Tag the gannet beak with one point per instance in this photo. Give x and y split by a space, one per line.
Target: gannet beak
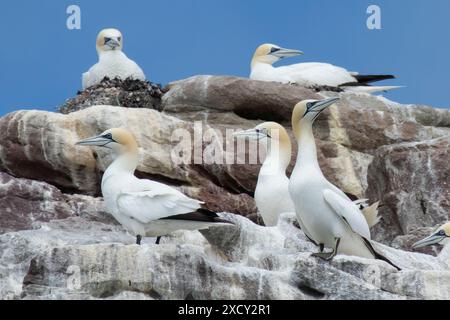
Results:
428 241
112 43
286 53
98 141
322 105
251 134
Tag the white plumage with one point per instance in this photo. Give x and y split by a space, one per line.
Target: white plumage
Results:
272 190
309 73
329 216
145 207
113 63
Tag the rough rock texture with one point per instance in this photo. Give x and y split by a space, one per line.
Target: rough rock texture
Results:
127 93
25 203
75 259
52 217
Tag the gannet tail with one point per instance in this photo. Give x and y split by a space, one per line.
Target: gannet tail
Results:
371 214
369 89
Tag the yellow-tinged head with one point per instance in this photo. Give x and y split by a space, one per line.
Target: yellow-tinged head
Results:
271 53
439 236
307 111
273 135
118 139
109 40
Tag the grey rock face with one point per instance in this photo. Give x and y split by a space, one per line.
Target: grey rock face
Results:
57 241
74 259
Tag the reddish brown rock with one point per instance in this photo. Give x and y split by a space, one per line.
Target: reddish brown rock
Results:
412 180
353 138
25 203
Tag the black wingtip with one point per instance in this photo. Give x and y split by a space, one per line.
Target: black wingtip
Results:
201 215
365 79
214 216
378 255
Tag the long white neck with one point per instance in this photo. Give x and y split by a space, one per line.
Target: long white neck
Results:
125 163
111 54
307 150
445 252
258 65
277 159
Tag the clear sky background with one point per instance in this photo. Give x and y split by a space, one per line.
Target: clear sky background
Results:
41 61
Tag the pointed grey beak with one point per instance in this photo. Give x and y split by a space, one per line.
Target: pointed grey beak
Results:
98 141
428 241
251 134
322 105
286 53
113 43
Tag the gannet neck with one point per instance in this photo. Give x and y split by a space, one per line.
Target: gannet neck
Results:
106 55
125 163
307 150
279 154
262 63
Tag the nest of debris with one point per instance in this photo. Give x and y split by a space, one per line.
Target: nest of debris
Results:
127 93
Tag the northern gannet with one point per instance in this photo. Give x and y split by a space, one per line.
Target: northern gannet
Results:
272 190
145 207
113 63
440 236
331 219
309 73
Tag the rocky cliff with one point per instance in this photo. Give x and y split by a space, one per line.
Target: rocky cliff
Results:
56 241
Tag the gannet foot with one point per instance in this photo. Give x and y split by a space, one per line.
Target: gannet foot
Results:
327 255
158 240
138 240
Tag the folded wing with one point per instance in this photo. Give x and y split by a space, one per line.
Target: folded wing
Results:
348 211
155 201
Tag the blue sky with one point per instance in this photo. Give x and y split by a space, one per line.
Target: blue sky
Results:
41 61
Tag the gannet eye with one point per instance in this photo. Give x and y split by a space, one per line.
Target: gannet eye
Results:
119 39
108 136
273 50
442 233
107 40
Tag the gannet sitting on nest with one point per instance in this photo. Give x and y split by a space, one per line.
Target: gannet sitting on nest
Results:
272 190
145 207
113 63
440 236
309 74
331 219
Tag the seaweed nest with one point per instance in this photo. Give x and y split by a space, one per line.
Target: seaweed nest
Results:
127 93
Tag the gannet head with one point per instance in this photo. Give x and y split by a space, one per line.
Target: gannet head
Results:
266 130
274 137
439 236
109 40
119 140
271 53
307 111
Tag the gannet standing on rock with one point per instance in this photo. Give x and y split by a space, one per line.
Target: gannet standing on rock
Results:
145 207
331 219
309 74
113 63
272 190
